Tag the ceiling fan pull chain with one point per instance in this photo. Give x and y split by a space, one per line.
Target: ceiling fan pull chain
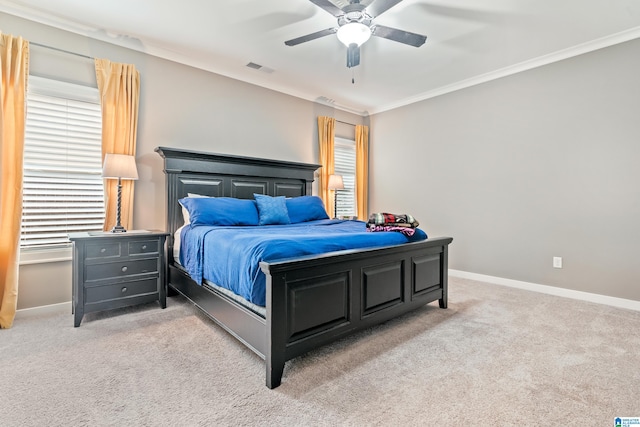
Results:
353 79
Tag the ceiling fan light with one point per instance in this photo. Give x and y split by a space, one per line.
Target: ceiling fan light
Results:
354 32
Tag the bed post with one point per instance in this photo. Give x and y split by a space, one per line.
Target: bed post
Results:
275 356
444 272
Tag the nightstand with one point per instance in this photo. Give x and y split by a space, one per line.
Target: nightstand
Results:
113 270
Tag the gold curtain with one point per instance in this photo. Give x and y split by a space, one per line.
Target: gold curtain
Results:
119 86
362 171
14 71
326 133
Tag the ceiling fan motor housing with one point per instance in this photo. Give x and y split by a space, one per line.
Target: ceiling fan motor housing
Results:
354 13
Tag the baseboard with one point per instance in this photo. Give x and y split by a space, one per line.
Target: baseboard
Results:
63 307
535 287
551 290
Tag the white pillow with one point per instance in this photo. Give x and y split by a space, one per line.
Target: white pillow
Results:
176 244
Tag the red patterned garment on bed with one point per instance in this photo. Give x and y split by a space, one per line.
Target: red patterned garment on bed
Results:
383 221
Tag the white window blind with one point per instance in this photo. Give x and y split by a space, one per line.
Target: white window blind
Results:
345 164
63 188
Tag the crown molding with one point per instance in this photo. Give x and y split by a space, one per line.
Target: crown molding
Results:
259 80
621 37
160 52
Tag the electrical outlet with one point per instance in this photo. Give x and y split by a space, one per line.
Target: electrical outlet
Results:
557 262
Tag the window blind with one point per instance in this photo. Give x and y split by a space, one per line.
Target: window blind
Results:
63 187
345 164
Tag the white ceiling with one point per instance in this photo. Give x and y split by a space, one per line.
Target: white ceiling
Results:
469 41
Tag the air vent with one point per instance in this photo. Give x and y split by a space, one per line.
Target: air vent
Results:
260 67
325 100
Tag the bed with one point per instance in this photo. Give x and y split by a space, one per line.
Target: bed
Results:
310 300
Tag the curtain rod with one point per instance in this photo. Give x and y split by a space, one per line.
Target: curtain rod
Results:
345 123
62 50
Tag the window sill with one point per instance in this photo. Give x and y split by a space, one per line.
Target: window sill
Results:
41 256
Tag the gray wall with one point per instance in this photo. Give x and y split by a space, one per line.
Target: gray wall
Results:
518 170
180 106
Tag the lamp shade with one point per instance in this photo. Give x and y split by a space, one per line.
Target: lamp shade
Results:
335 182
354 32
119 166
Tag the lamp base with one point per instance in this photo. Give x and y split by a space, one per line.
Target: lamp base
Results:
118 229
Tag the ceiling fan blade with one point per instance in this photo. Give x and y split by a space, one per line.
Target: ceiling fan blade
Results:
401 36
378 7
353 55
311 36
329 7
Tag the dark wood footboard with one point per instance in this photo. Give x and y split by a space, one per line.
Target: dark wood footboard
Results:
316 300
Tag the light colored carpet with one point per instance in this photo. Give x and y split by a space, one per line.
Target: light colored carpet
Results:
496 356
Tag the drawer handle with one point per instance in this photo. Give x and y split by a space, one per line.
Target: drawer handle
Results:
124 289
103 250
124 268
144 247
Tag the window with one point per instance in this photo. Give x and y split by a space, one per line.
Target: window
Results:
345 164
63 187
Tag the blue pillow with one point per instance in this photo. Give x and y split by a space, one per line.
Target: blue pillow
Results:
306 208
220 211
272 210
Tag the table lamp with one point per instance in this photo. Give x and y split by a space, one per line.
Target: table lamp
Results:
120 166
335 183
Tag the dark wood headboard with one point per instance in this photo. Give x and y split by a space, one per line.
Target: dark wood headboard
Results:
222 175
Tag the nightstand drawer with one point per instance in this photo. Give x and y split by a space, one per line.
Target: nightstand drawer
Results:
121 290
103 250
120 269
143 247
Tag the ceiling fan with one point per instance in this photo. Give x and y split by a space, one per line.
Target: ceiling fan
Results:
355 26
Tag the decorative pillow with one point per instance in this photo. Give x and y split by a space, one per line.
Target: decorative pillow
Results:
220 211
185 212
272 210
306 208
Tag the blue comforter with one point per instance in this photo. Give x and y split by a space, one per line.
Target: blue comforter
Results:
230 256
